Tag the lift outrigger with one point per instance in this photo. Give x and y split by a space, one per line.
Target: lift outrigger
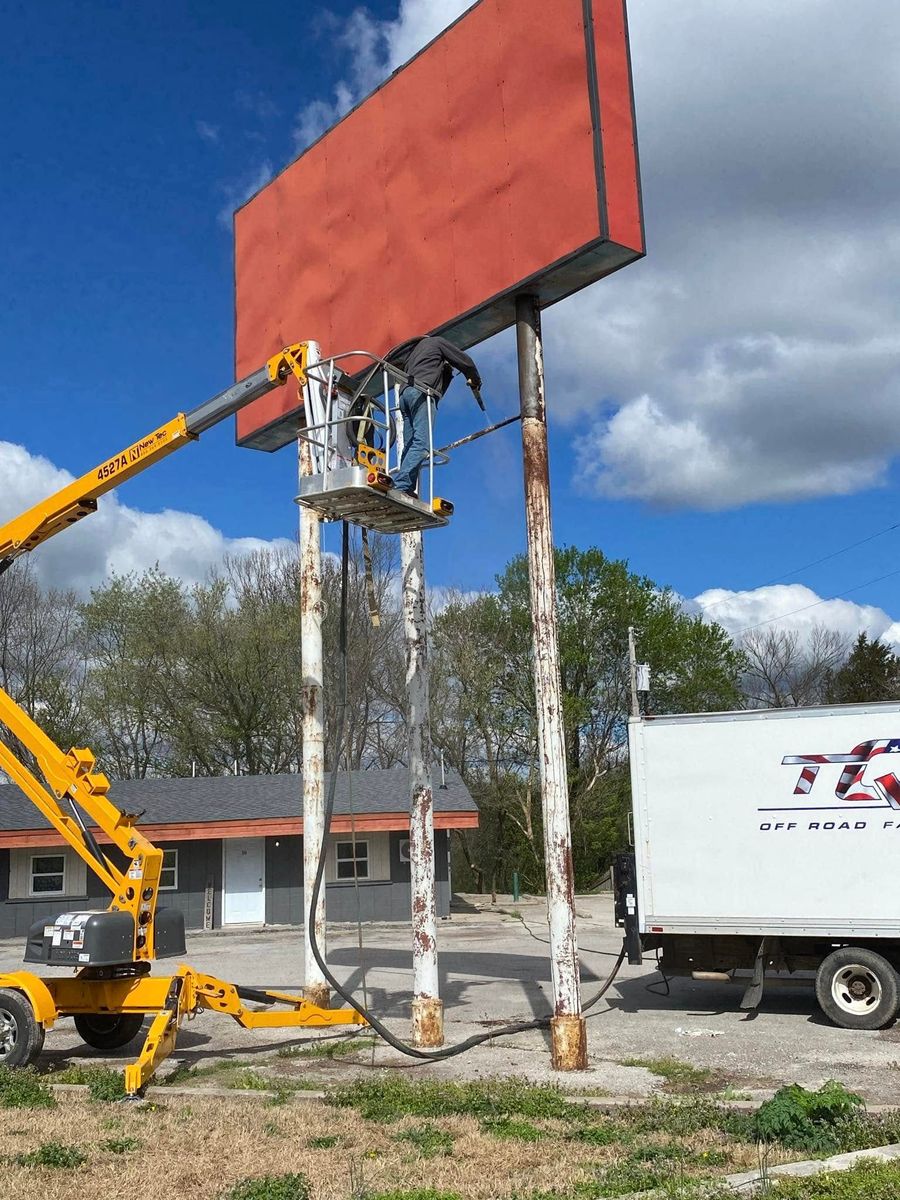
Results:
112 992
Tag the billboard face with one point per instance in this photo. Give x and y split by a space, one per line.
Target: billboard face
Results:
500 160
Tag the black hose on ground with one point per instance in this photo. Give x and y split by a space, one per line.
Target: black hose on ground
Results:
381 1029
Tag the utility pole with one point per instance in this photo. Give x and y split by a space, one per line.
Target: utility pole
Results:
427 1008
633 673
567 1028
315 988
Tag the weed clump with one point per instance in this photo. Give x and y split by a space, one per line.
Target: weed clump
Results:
508 1127
803 1120
121 1145
102 1083
54 1155
22 1088
270 1187
430 1141
414 1194
327 1141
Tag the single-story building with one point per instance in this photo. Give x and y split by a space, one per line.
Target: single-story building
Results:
234 849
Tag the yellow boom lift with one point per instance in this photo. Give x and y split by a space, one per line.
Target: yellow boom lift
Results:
112 990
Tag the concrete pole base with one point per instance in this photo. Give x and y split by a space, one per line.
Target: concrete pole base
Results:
427 1022
568 1041
318 994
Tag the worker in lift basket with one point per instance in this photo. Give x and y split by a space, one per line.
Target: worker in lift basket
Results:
430 362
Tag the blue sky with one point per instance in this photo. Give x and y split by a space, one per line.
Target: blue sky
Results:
721 413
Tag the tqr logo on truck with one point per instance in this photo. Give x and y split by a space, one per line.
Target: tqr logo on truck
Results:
866 774
867 777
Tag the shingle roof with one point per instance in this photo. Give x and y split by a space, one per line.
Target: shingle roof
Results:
248 797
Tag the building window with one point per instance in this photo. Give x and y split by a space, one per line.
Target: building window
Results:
47 875
168 876
347 860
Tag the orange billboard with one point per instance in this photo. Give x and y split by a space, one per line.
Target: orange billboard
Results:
502 159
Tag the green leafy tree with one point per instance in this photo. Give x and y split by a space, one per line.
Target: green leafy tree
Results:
871 672
484 709
126 632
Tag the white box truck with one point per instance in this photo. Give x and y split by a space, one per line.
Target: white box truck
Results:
769 841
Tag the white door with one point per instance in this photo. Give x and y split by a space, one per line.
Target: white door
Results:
244 885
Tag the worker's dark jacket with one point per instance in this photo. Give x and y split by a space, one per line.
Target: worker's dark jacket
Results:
431 362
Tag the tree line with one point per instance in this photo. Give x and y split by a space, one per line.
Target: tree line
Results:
163 678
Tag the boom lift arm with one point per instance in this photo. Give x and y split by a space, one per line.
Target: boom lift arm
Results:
79 498
113 950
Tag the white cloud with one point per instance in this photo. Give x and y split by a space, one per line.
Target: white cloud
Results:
209 133
754 355
792 607
374 48
242 189
115 538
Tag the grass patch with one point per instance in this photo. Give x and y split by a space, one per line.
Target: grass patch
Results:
327 1142
391 1098
328 1050
406 1194
54 1155
509 1127
103 1084
270 1187
680 1076
23 1089
184 1073
626 1177
430 1141
604 1133
866 1181
121 1145
684 1118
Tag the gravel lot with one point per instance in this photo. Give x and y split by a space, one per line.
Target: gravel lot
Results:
494 967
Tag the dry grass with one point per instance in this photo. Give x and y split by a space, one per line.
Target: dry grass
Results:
203 1146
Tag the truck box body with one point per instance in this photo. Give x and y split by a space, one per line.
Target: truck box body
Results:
776 822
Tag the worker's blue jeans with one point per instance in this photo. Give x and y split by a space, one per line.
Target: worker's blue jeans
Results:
414 410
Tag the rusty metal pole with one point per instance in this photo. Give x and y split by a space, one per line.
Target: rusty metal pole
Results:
315 989
427 1007
568 1031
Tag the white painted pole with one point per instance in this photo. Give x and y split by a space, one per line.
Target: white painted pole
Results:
428 1014
568 1031
315 988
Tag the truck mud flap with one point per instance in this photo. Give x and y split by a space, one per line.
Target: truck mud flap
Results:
754 993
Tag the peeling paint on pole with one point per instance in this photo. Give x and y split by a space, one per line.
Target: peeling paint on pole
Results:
315 988
428 1023
568 1033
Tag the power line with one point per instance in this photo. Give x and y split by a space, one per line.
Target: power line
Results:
807 567
815 604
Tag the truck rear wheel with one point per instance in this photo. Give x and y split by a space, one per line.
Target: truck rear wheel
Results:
858 989
108 1031
21 1037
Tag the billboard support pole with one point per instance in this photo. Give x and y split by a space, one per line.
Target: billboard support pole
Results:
568 1031
427 1007
315 988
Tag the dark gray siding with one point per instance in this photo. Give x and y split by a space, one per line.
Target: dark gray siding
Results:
380 900
200 863
284 881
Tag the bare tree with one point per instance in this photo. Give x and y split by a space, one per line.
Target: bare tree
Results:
786 669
